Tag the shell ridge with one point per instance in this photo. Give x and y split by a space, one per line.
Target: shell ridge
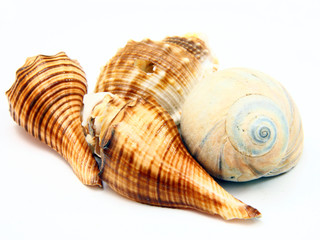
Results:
45 91
44 114
36 62
63 108
62 133
47 103
41 105
57 124
37 75
40 93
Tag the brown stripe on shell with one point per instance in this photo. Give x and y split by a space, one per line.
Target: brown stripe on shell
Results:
145 160
46 100
164 69
42 63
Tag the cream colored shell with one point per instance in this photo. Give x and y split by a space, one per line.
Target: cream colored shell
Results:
241 124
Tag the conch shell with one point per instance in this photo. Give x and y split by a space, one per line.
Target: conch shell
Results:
166 70
241 124
46 100
143 158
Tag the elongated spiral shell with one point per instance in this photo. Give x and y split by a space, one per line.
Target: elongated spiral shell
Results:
46 100
166 70
240 124
143 158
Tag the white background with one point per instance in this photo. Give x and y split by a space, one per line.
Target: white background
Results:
40 196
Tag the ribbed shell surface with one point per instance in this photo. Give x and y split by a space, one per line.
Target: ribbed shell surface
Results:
166 70
46 100
144 159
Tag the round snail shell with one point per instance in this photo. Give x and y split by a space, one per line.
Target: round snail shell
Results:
241 124
166 70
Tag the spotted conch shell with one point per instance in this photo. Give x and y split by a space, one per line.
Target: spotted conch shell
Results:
46 100
241 124
166 70
143 158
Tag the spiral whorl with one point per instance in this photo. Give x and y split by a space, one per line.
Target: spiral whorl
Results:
253 126
240 124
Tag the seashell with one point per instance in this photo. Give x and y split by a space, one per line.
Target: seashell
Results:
241 124
46 100
166 70
143 158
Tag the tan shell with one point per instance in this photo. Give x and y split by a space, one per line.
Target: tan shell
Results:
46 100
241 124
144 159
166 70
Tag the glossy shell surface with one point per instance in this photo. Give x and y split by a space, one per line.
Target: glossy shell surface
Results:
46 100
241 124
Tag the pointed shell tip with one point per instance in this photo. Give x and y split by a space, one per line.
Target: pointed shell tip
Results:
252 212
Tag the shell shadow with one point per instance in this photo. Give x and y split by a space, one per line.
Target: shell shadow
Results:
228 185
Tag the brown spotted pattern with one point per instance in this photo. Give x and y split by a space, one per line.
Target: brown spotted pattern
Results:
46 100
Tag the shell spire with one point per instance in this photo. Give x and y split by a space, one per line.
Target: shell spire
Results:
46 100
143 158
166 70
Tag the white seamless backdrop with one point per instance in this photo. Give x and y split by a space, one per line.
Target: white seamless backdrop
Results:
41 198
